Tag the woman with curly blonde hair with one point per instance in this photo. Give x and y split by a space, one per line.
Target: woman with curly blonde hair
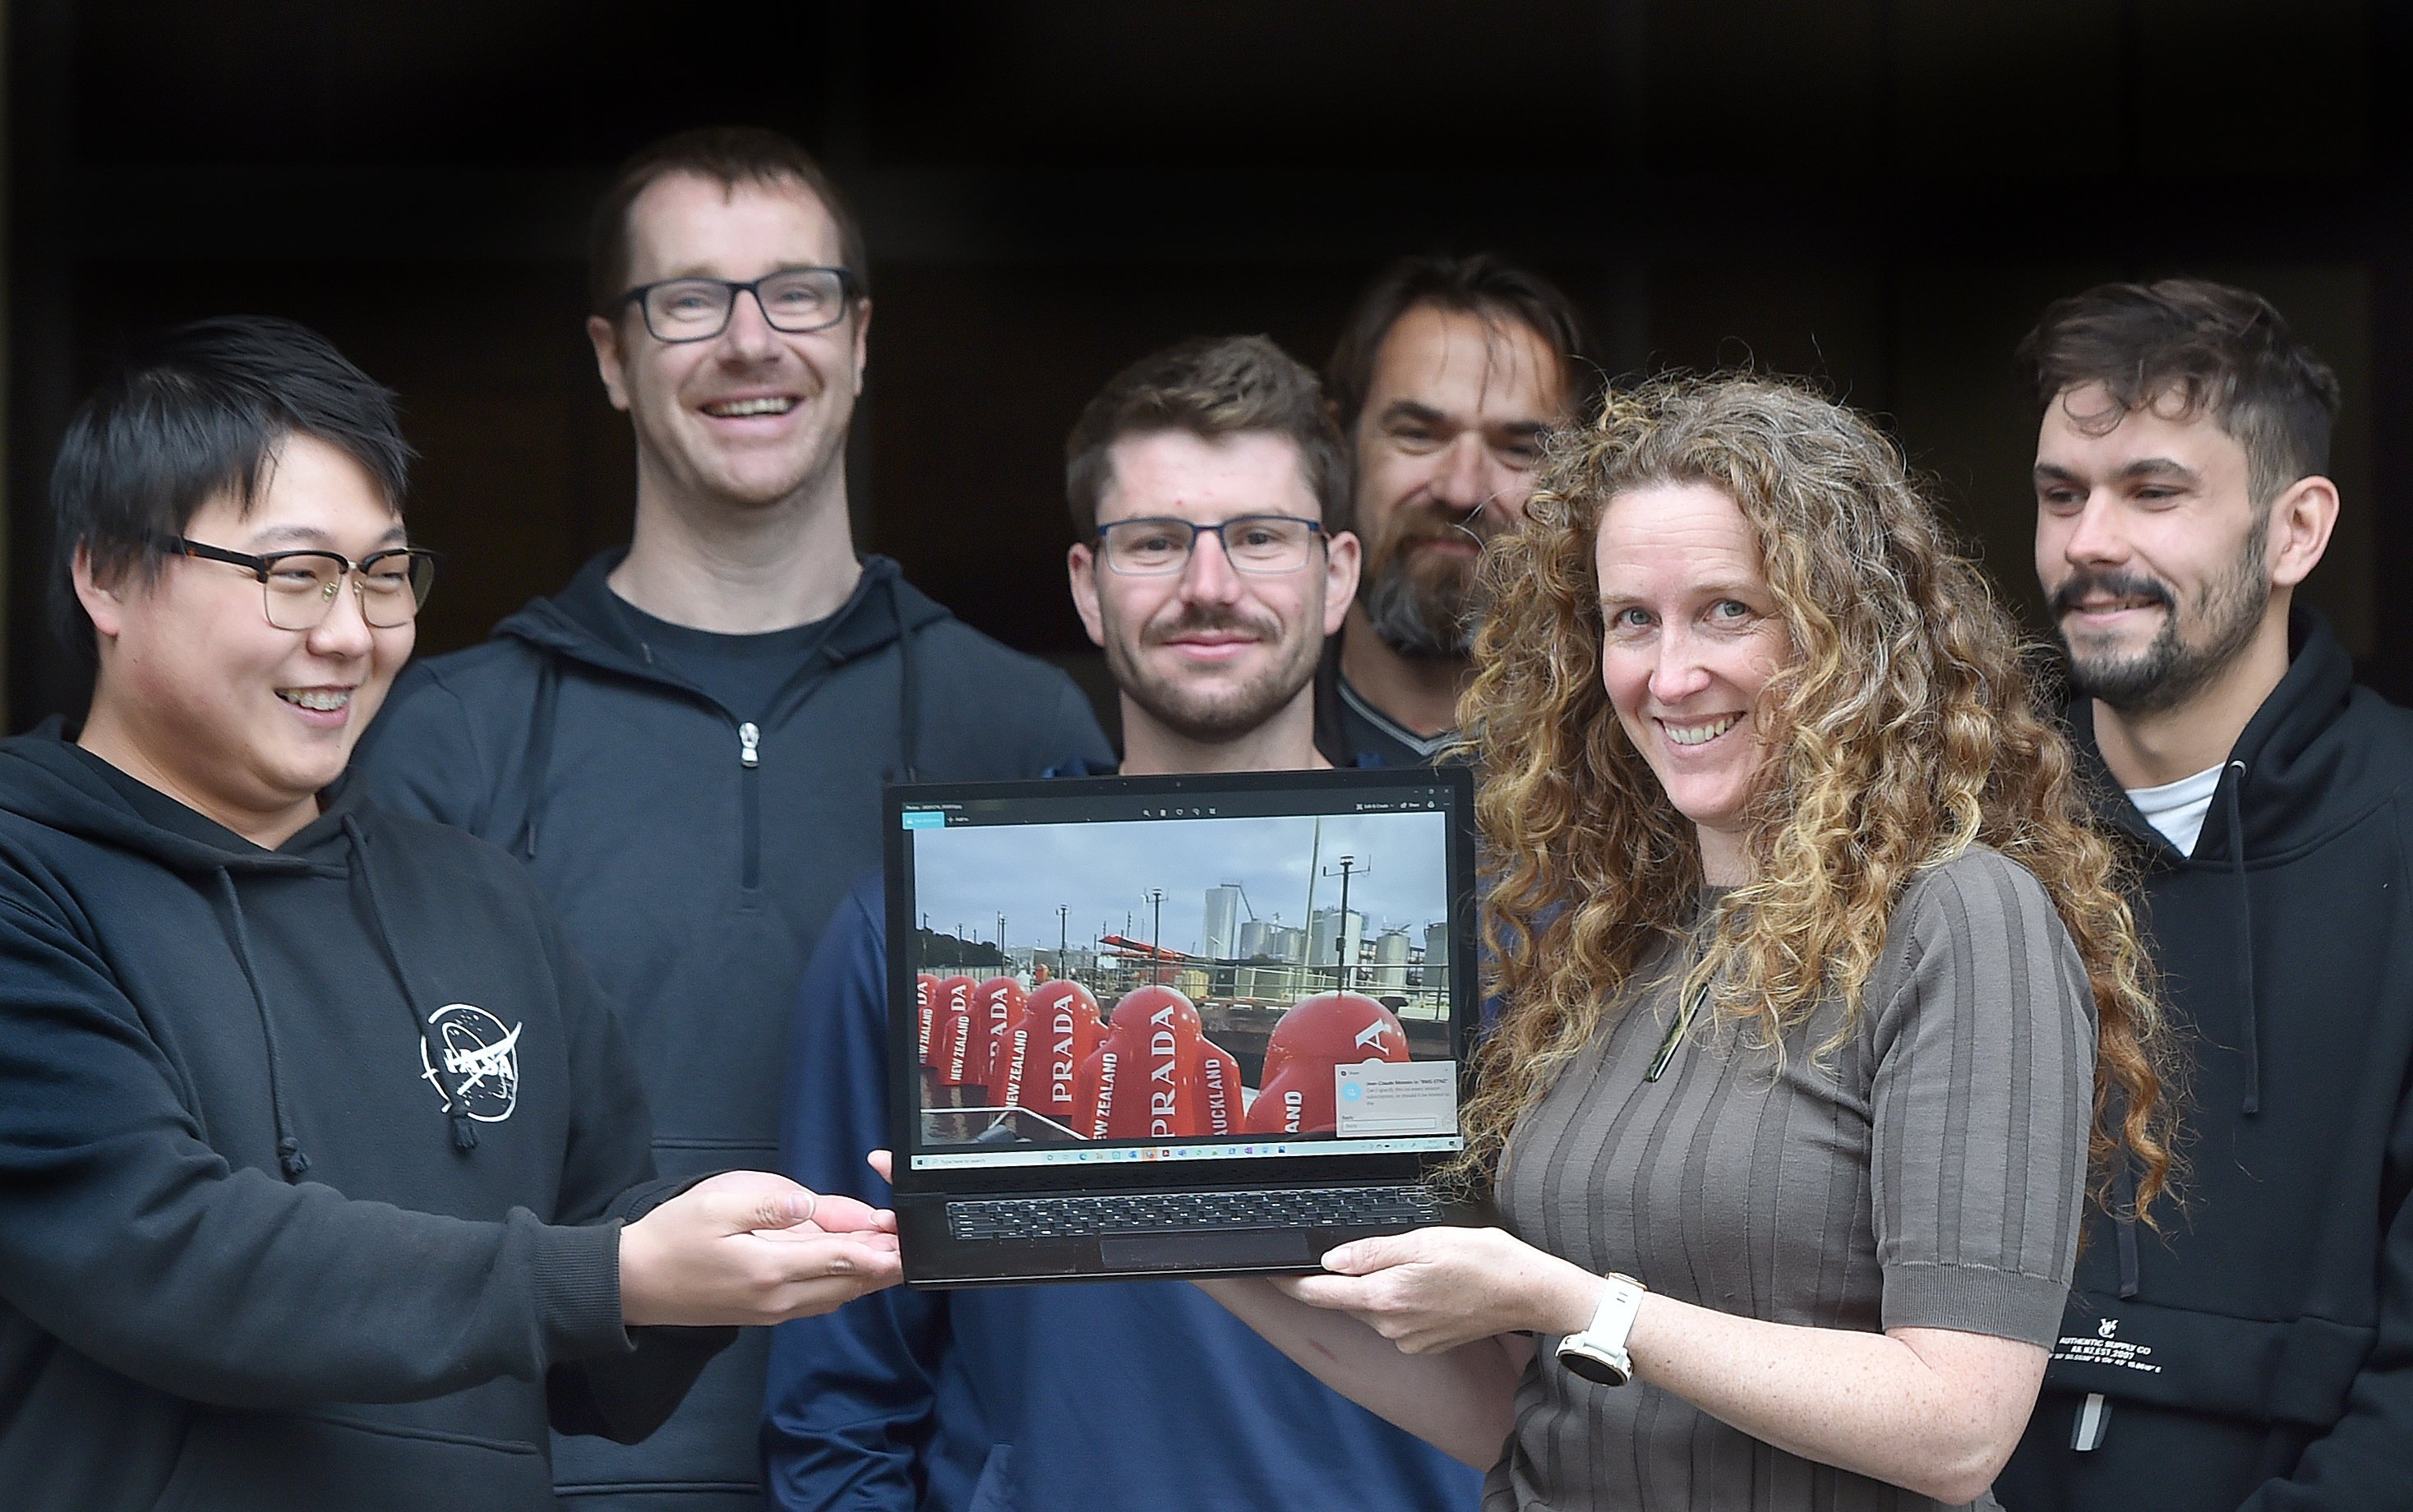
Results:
1819 999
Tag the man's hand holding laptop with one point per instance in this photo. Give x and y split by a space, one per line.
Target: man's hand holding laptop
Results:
748 1248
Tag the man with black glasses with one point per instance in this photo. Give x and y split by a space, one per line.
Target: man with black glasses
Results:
685 745
324 1171
1203 482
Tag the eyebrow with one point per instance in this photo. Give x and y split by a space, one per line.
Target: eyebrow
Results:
1425 414
2157 468
309 536
699 270
1409 409
1719 588
2142 468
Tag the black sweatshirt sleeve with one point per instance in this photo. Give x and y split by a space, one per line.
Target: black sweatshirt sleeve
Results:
125 1236
608 1177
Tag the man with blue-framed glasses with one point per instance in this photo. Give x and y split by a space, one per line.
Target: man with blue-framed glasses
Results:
685 746
1204 571
1203 481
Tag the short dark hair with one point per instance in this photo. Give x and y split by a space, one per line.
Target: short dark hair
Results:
1210 387
729 156
2213 350
193 413
1482 285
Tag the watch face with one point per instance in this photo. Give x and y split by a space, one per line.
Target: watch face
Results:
1592 1364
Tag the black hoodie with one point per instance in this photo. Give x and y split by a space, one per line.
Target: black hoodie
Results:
695 853
309 1164
2260 1355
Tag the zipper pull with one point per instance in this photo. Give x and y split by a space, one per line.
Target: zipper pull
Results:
750 745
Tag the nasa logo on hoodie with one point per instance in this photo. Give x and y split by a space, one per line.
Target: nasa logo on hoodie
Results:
482 1058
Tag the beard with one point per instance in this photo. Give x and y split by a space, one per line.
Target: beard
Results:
1195 708
2172 667
1421 603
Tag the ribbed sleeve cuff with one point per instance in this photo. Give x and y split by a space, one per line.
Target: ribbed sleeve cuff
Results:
577 1291
1975 1299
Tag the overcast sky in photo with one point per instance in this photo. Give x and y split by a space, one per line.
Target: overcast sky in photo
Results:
1103 870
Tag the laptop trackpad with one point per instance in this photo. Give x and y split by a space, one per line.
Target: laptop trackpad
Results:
1209 1250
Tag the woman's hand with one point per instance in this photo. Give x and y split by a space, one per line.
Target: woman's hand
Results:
1437 1288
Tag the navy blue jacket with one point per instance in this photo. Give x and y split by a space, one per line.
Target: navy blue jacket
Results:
2260 1355
1112 1395
309 1160
694 856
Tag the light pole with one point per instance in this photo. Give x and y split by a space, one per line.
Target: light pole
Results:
1156 937
1341 926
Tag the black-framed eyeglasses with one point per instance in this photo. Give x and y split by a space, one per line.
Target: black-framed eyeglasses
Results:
794 300
1252 544
298 587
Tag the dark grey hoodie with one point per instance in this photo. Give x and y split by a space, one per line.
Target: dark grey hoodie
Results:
309 1164
695 853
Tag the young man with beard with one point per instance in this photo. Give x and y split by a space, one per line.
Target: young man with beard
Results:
324 1169
1202 480
1447 375
685 746
2258 1351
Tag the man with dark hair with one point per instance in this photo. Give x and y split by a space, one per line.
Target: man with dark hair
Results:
324 1176
1202 483
685 746
2258 1351
1213 666
1447 372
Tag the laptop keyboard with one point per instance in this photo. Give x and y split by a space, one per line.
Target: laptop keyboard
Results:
1061 1218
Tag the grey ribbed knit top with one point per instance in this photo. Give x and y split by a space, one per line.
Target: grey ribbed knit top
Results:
1929 1175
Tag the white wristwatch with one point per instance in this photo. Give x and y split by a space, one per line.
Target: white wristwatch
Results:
1598 1354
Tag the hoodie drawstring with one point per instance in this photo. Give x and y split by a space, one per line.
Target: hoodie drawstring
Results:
2124 1201
2086 1428
456 1101
2245 933
289 1158
539 754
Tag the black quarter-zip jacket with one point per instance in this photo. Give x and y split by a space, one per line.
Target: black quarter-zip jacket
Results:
695 854
2259 1353
310 1163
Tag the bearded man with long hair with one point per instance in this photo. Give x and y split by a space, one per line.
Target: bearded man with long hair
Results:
1823 1015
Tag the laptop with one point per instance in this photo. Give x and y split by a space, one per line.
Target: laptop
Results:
1197 1025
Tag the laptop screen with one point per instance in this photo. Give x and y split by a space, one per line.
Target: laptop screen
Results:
1268 968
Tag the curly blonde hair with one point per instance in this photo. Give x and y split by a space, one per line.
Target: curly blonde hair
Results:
1904 729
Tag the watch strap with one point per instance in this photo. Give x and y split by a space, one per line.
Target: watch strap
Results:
1598 1353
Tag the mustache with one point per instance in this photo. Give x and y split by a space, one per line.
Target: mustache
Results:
1197 620
2084 583
1421 528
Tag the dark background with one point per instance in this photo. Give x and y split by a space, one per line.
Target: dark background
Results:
1878 193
